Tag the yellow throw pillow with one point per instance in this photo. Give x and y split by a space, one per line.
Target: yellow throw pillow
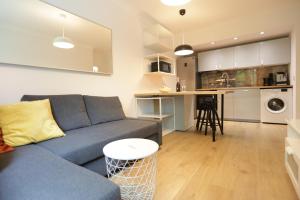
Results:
28 122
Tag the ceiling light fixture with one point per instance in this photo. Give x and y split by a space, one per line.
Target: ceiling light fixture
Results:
262 33
175 2
183 49
235 38
212 43
62 41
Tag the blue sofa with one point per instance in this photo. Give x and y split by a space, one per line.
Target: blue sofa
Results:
72 167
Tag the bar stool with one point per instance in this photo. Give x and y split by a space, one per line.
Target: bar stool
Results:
208 106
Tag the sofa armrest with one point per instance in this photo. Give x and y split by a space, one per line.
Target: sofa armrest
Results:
159 127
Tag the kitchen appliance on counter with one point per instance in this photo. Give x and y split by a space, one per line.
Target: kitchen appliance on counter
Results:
276 105
161 66
281 78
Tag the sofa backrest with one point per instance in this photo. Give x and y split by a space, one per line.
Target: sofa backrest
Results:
76 111
68 110
103 109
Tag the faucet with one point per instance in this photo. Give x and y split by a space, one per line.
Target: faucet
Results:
225 77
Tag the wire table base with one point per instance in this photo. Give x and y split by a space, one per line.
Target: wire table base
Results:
136 178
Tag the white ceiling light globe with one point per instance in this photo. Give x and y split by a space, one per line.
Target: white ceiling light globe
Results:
63 42
175 2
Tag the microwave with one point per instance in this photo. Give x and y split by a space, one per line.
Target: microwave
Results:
163 67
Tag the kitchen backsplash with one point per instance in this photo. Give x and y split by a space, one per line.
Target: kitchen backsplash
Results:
240 77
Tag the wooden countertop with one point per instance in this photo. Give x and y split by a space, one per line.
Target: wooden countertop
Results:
185 93
249 87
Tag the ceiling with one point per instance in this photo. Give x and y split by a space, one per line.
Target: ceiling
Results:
220 21
201 13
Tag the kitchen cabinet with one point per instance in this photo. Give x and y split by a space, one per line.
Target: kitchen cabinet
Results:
226 58
219 59
276 52
247 105
266 53
208 60
228 106
242 105
247 55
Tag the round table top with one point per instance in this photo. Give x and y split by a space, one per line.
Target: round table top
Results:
130 149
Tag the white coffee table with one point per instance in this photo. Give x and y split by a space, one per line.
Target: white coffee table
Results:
131 163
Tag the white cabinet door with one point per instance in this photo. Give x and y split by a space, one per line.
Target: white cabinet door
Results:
247 55
275 52
228 106
247 104
208 60
226 58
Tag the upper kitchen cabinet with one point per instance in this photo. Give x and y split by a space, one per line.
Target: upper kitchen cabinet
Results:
247 55
275 52
208 60
219 59
266 53
226 58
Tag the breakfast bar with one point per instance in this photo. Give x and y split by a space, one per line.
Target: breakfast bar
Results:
182 104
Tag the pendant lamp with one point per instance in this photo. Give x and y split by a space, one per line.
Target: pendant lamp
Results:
183 49
62 41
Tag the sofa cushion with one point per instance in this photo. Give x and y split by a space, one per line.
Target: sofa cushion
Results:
28 122
68 110
33 173
83 145
103 109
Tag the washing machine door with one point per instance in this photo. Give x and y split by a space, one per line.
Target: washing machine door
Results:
276 105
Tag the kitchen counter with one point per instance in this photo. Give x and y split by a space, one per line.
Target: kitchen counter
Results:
185 93
249 87
183 104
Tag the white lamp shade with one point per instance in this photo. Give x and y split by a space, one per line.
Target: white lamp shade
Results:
63 42
175 2
184 52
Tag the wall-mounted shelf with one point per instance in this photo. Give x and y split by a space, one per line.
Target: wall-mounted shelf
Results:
159 74
157 47
158 39
166 57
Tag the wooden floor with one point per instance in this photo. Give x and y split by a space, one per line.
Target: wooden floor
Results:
245 163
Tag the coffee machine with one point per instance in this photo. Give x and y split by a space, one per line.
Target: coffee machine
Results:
281 78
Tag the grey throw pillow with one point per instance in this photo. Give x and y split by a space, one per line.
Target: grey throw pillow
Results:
103 109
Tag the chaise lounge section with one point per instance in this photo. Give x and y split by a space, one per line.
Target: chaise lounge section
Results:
72 167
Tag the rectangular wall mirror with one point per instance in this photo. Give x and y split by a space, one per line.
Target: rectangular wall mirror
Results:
34 33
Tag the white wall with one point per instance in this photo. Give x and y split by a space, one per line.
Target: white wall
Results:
127 61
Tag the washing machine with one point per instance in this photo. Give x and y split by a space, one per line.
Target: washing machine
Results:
276 105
